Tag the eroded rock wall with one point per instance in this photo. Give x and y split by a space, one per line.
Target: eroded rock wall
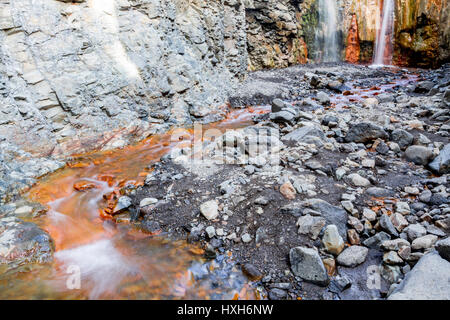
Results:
421 35
97 74
422 32
70 71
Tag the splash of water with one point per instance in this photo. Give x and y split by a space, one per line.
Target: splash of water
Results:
383 44
326 33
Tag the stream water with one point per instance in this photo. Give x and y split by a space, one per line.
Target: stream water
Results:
115 260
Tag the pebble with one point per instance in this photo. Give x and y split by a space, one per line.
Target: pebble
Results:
147 201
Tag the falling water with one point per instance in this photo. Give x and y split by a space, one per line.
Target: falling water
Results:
326 33
383 44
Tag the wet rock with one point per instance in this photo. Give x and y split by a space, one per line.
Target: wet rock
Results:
379 192
339 284
282 116
423 87
428 280
306 263
441 164
210 209
252 272
402 138
277 105
353 256
150 226
277 294
23 242
365 132
443 247
332 241
123 204
419 154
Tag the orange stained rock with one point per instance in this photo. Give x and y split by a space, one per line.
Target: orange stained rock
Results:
353 49
84 185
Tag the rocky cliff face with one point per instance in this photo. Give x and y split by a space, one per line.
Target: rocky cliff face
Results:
73 71
97 74
282 33
422 29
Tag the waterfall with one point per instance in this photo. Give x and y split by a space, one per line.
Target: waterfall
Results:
326 33
383 44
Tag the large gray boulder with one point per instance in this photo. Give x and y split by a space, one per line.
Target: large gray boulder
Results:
402 137
428 280
419 155
365 132
307 264
441 164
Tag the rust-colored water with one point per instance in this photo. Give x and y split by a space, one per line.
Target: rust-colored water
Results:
116 261
358 94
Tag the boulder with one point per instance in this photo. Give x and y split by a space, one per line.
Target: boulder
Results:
443 247
365 132
441 164
419 155
428 280
306 264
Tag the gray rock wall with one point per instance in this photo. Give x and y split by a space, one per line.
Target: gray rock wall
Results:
70 72
97 74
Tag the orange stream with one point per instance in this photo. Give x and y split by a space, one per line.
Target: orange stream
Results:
116 261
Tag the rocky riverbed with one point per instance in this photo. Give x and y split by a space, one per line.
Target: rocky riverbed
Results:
339 190
359 192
